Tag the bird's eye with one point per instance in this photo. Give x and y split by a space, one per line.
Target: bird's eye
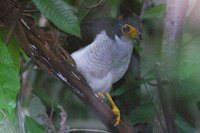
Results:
129 31
126 28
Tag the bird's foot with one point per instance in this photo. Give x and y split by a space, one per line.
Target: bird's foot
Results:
101 96
116 111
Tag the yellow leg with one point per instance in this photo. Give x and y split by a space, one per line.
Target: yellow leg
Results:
100 94
114 108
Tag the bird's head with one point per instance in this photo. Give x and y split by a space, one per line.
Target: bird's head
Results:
125 27
128 28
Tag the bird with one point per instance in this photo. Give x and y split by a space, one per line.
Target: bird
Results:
106 58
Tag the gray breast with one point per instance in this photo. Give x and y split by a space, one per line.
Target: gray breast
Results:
120 66
104 57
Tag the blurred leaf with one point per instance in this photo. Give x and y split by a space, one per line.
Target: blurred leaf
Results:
156 11
183 126
9 79
130 83
15 50
45 98
138 48
25 56
7 127
61 14
84 8
119 91
32 126
189 72
37 110
142 114
114 7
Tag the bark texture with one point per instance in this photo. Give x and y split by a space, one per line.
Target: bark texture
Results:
167 70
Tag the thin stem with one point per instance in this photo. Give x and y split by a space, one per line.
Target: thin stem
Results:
192 39
156 111
98 3
4 115
86 130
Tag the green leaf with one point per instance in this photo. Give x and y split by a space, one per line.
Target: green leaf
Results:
119 91
144 114
129 85
32 126
138 48
189 72
183 126
156 11
9 79
84 10
114 7
15 50
61 14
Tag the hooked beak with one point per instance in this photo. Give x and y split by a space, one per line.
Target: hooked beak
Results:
135 34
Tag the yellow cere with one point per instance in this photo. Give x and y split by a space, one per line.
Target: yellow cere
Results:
129 31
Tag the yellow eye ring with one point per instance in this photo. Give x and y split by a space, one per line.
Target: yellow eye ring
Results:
129 31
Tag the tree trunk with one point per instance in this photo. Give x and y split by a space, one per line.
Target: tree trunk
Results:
167 70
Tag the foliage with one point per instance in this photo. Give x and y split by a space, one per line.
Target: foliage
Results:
9 80
83 10
183 126
67 15
156 11
33 126
144 113
9 83
61 14
114 7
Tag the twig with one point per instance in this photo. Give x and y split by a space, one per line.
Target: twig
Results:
152 84
97 4
145 5
192 39
165 101
86 130
50 125
4 115
5 121
63 123
155 109
30 11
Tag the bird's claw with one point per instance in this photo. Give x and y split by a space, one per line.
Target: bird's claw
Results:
101 96
117 114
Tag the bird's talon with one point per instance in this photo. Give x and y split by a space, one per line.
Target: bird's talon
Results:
101 96
117 114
